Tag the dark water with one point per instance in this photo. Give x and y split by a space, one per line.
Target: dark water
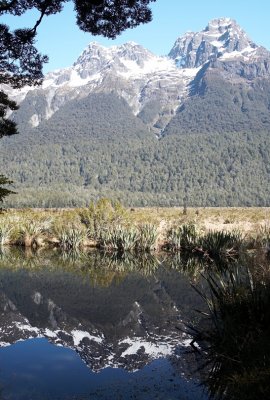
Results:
90 326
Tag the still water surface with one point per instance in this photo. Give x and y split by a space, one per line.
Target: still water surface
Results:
94 327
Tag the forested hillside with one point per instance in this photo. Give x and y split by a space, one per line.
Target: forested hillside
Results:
219 106
208 169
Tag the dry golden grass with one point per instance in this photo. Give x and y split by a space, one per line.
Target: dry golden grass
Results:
246 220
209 218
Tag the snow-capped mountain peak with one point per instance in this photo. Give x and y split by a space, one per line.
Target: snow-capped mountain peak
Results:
221 35
96 55
146 81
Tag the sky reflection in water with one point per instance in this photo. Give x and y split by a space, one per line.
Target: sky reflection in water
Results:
36 369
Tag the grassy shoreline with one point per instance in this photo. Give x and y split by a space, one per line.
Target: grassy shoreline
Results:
85 227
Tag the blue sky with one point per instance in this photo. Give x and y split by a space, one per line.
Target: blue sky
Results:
63 42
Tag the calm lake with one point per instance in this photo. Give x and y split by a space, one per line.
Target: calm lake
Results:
93 326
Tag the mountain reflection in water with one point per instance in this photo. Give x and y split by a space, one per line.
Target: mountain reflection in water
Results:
124 317
132 321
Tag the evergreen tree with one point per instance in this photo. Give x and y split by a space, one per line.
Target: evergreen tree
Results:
3 191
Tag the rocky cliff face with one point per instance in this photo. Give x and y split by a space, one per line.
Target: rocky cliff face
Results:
220 37
130 71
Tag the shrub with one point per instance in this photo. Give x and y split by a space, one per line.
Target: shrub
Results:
101 216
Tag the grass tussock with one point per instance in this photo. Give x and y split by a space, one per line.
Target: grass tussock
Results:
235 334
184 237
5 233
71 237
221 244
147 237
31 232
128 238
119 238
210 245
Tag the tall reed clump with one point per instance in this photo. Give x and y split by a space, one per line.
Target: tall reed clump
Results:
32 231
119 238
127 238
211 245
184 237
147 237
215 244
101 216
5 232
262 239
70 237
236 335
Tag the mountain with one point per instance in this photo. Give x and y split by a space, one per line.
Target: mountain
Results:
188 127
157 88
222 38
231 90
151 85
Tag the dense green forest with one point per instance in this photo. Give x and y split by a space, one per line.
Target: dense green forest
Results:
96 147
220 106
